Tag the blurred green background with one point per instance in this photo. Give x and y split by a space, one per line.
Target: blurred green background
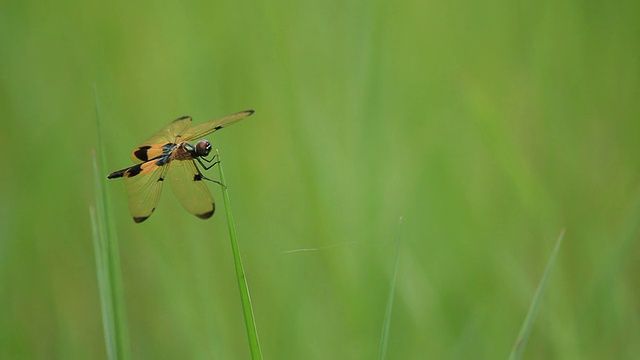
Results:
488 126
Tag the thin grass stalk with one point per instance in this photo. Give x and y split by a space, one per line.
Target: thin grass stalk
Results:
247 309
108 258
386 325
525 330
104 289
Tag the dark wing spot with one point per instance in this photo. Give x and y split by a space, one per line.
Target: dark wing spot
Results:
217 127
116 174
197 177
160 179
139 219
141 153
208 214
134 170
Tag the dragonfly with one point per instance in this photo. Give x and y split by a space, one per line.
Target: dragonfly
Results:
168 155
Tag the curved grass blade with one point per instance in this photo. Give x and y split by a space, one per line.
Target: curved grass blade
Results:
525 330
249 320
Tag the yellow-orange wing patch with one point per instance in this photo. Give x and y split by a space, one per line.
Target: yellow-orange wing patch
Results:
147 152
153 146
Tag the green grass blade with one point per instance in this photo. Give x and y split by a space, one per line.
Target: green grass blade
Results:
104 289
108 260
386 325
249 320
525 330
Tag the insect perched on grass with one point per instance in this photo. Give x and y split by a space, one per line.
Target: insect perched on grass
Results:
170 149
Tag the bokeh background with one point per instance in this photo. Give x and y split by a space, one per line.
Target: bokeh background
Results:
488 126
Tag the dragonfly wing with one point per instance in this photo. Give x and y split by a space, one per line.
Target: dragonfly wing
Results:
154 146
208 127
188 184
144 185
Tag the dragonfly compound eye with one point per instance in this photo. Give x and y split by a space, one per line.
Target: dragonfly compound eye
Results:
203 148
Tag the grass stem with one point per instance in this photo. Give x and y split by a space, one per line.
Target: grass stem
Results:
108 259
249 320
525 330
386 325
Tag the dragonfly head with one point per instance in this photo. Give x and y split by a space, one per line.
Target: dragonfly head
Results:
203 148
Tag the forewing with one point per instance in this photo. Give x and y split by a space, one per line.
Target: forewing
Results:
208 127
188 185
144 185
153 146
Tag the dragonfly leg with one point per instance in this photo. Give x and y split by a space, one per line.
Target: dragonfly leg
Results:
209 160
216 162
207 168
